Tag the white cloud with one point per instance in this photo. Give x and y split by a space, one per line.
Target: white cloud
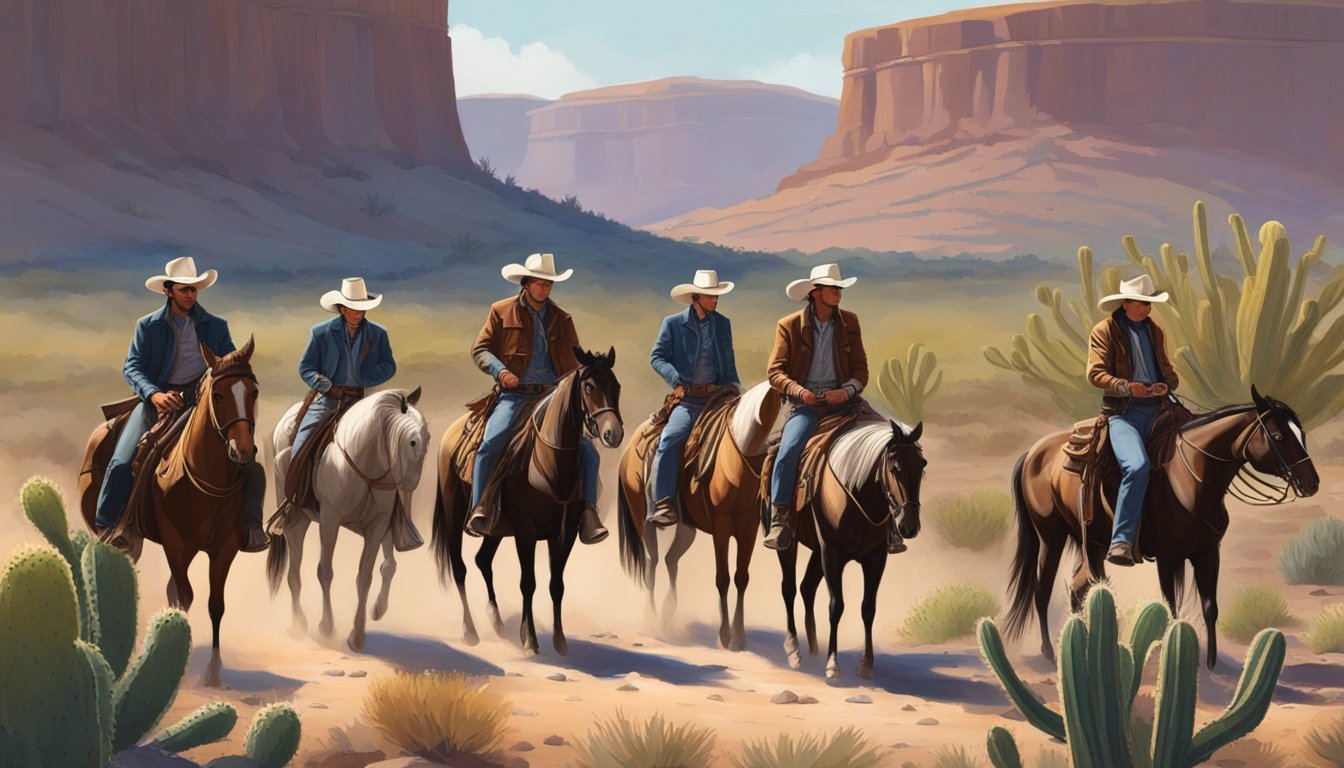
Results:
488 65
817 74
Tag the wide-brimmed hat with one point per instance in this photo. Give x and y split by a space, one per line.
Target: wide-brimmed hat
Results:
706 283
1139 289
538 265
353 294
182 271
825 274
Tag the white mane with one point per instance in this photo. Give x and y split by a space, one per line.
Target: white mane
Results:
747 428
855 453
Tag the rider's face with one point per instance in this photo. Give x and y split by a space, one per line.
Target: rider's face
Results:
828 294
1137 310
183 297
538 290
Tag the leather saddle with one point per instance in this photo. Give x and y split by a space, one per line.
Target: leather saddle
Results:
815 453
516 452
702 444
299 486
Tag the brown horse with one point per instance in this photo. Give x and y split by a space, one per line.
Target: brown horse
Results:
725 505
872 476
195 499
539 499
1185 514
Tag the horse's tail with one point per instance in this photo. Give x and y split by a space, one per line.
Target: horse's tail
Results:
1025 577
631 543
446 533
277 557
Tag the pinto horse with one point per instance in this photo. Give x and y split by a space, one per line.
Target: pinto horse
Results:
540 496
1185 510
872 475
724 504
195 499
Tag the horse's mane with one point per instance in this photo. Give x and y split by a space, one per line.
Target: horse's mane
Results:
236 357
1232 410
375 416
747 428
856 451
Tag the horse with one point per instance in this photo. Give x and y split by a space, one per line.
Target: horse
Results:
1185 509
540 494
195 501
872 476
373 462
724 505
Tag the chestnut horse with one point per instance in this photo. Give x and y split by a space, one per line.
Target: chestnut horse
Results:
1185 512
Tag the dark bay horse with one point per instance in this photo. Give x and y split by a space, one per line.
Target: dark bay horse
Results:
1185 510
196 501
872 475
725 505
540 499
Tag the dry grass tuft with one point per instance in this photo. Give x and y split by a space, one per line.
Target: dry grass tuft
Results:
846 748
623 742
436 715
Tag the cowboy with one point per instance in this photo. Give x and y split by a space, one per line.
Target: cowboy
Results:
1127 359
694 355
163 366
818 364
526 345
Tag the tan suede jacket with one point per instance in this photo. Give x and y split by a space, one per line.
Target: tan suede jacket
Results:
507 335
1109 366
792 354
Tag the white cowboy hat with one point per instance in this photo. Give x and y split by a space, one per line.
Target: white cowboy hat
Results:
706 282
1139 289
825 274
538 265
353 294
183 272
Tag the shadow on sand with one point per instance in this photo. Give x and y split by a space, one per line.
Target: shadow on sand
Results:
416 654
249 680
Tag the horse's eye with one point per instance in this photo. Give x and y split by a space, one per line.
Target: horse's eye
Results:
588 387
218 396
412 443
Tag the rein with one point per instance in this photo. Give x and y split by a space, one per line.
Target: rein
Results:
1247 492
206 389
895 508
378 483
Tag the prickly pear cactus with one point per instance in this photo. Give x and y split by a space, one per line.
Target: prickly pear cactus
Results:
111 595
144 694
274 736
210 723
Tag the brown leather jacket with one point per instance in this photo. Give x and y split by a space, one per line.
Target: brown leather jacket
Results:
1109 366
507 334
792 355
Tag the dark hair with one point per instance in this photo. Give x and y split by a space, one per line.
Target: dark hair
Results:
168 285
522 282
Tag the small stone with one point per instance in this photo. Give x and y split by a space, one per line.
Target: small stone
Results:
252 701
927 721
522 746
908 708
559 677
359 673
334 672
861 698
516 762
554 741
523 712
900 745
513 674
317 705
638 645
1319 593
573 698
627 687
784 697
714 697
807 700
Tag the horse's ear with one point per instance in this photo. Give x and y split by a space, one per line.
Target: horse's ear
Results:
582 356
611 357
896 429
247 349
1259 399
917 432
414 397
209 357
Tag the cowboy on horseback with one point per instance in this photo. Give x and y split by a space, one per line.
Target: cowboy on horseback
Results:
163 365
1127 359
819 365
526 345
694 355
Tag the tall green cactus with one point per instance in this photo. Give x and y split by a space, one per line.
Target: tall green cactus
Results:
111 597
44 508
1098 680
142 695
907 387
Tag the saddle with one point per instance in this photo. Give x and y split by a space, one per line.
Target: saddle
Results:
154 445
299 489
702 444
514 458
815 452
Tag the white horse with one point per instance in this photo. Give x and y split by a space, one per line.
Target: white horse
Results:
375 457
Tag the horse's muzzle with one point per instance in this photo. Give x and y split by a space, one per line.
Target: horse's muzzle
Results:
908 524
241 457
612 433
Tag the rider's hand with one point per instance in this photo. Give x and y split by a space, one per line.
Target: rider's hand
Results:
808 397
1138 389
507 380
836 396
679 391
166 402
1160 389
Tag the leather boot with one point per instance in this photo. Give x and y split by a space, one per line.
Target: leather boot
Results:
254 492
780 535
478 523
591 530
1121 553
895 541
664 513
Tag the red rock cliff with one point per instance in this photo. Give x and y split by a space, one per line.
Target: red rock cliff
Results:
306 75
1256 76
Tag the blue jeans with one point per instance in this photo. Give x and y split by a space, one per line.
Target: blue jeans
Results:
800 425
317 410
496 438
1129 436
667 459
117 479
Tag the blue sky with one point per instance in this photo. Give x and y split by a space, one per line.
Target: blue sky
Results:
547 48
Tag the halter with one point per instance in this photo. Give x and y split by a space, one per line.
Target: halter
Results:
219 492
236 372
895 508
1247 492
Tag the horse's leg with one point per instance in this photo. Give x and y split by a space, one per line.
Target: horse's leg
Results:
721 577
558 548
1206 584
327 529
527 584
1167 569
833 568
388 569
219 573
485 563
368 555
788 587
811 581
449 511
650 539
1047 568
745 538
874 564
682 537
294 537
180 594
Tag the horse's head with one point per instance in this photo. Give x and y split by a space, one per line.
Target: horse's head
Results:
408 439
902 472
1278 445
229 395
600 395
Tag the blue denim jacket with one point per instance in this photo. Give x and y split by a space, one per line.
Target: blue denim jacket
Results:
673 354
324 354
153 348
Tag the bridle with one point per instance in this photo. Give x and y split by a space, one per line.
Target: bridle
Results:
1247 486
895 507
203 393
589 419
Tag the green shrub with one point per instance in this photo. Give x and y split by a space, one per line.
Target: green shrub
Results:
1315 555
624 743
1327 631
972 521
948 613
1327 741
1251 610
846 748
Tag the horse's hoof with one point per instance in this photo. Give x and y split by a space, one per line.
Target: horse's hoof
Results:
832 670
865 669
1048 651
356 643
470 637
725 638
379 610
326 628
561 644
737 644
791 652
211 677
532 649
